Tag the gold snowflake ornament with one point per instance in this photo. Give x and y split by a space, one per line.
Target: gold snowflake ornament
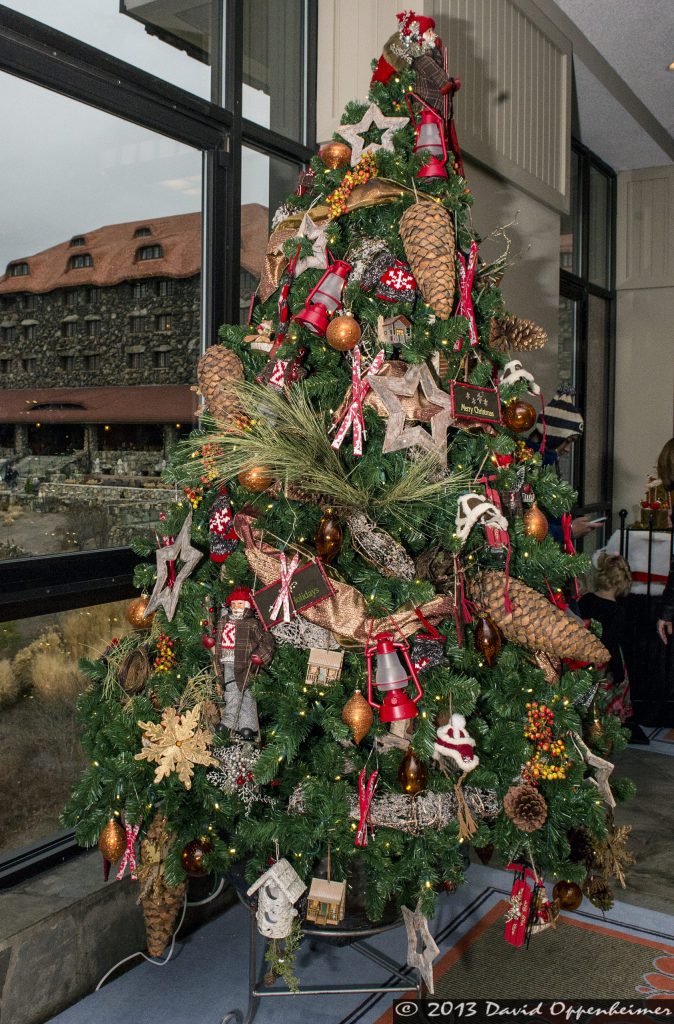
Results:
176 743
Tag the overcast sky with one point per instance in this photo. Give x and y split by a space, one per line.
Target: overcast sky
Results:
66 168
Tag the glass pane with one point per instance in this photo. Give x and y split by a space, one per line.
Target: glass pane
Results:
96 357
265 184
168 38
273 66
570 240
595 436
569 311
40 753
600 229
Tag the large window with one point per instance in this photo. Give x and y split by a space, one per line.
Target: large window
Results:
150 129
586 334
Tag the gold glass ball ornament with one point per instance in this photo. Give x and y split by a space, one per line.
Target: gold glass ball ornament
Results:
568 895
535 523
343 332
328 537
412 774
112 841
192 857
335 154
519 416
257 479
135 613
357 714
488 640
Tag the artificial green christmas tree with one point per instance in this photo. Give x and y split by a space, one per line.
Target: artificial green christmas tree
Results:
361 591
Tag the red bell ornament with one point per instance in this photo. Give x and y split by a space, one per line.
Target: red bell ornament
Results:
430 139
389 674
325 299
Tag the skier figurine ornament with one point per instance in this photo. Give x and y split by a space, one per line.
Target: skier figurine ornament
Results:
242 647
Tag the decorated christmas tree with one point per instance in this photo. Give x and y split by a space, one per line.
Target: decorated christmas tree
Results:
358 644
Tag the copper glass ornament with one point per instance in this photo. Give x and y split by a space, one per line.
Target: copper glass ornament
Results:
192 857
328 538
257 479
357 714
412 774
568 895
343 332
485 853
519 416
135 612
335 154
535 523
488 640
112 841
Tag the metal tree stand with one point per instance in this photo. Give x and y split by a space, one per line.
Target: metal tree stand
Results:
352 932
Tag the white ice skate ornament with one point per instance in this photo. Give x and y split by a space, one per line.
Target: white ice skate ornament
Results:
513 372
474 508
453 741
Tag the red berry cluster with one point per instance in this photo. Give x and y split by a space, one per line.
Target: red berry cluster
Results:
549 760
195 496
165 658
365 169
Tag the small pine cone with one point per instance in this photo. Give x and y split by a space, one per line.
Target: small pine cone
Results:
525 807
582 847
517 333
210 713
154 700
599 892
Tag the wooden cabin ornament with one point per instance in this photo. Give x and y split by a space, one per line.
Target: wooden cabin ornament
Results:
324 667
279 889
326 903
394 330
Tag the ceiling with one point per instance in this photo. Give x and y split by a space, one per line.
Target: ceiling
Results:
636 42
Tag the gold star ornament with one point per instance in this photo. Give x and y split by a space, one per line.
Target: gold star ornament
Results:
176 744
422 948
164 596
353 133
398 436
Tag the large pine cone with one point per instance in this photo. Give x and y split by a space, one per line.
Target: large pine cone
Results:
427 233
517 333
525 807
160 915
216 370
534 621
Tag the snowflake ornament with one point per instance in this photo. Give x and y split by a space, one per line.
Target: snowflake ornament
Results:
176 743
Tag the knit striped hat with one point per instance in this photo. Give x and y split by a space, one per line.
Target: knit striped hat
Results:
562 419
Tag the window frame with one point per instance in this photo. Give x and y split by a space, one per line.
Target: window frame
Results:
47 57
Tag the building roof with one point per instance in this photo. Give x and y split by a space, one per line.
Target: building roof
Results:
283 874
114 253
170 403
327 892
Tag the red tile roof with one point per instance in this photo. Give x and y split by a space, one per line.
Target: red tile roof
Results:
171 403
114 252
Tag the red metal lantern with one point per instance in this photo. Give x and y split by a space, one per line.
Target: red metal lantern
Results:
430 139
391 677
325 299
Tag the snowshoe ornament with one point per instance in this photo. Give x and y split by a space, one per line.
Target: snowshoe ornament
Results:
472 509
513 372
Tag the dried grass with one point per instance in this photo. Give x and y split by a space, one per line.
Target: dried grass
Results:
10 688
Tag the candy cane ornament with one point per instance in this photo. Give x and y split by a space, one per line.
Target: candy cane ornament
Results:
365 798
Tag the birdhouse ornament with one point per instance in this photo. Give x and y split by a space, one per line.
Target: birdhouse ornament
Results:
278 890
453 741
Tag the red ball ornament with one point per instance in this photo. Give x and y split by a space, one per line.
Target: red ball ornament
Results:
208 641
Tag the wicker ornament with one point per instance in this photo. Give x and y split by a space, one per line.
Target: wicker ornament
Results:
599 892
517 333
534 622
278 889
427 234
112 841
216 369
357 714
134 672
379 548
161 902
525 807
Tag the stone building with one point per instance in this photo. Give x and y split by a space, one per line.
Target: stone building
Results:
99 338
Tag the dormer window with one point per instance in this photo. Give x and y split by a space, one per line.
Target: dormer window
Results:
19 270
150 252
142 232
82 260
78 240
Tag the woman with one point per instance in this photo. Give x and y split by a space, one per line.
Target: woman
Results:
611 582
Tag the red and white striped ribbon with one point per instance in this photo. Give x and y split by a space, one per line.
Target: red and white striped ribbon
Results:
130 852
283 599
353 417
365 797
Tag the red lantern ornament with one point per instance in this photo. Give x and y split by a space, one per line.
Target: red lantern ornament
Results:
430 139
325 299
391 677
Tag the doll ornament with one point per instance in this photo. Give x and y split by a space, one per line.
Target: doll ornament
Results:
242 646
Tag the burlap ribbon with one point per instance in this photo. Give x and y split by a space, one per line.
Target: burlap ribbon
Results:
345 613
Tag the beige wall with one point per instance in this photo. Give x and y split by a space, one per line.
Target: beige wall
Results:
644 329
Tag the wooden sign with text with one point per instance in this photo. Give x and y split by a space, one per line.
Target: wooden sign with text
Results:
309 586
470 402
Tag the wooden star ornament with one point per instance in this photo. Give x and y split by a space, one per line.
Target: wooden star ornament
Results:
603 769
352 133
318 236
164 596
419 935
398 436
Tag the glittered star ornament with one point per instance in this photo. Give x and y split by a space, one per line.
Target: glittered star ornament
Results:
398 436
419 937
164 596
352 133
318 236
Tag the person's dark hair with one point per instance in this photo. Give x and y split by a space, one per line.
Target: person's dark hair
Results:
666 465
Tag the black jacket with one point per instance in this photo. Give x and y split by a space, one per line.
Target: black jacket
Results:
667 607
